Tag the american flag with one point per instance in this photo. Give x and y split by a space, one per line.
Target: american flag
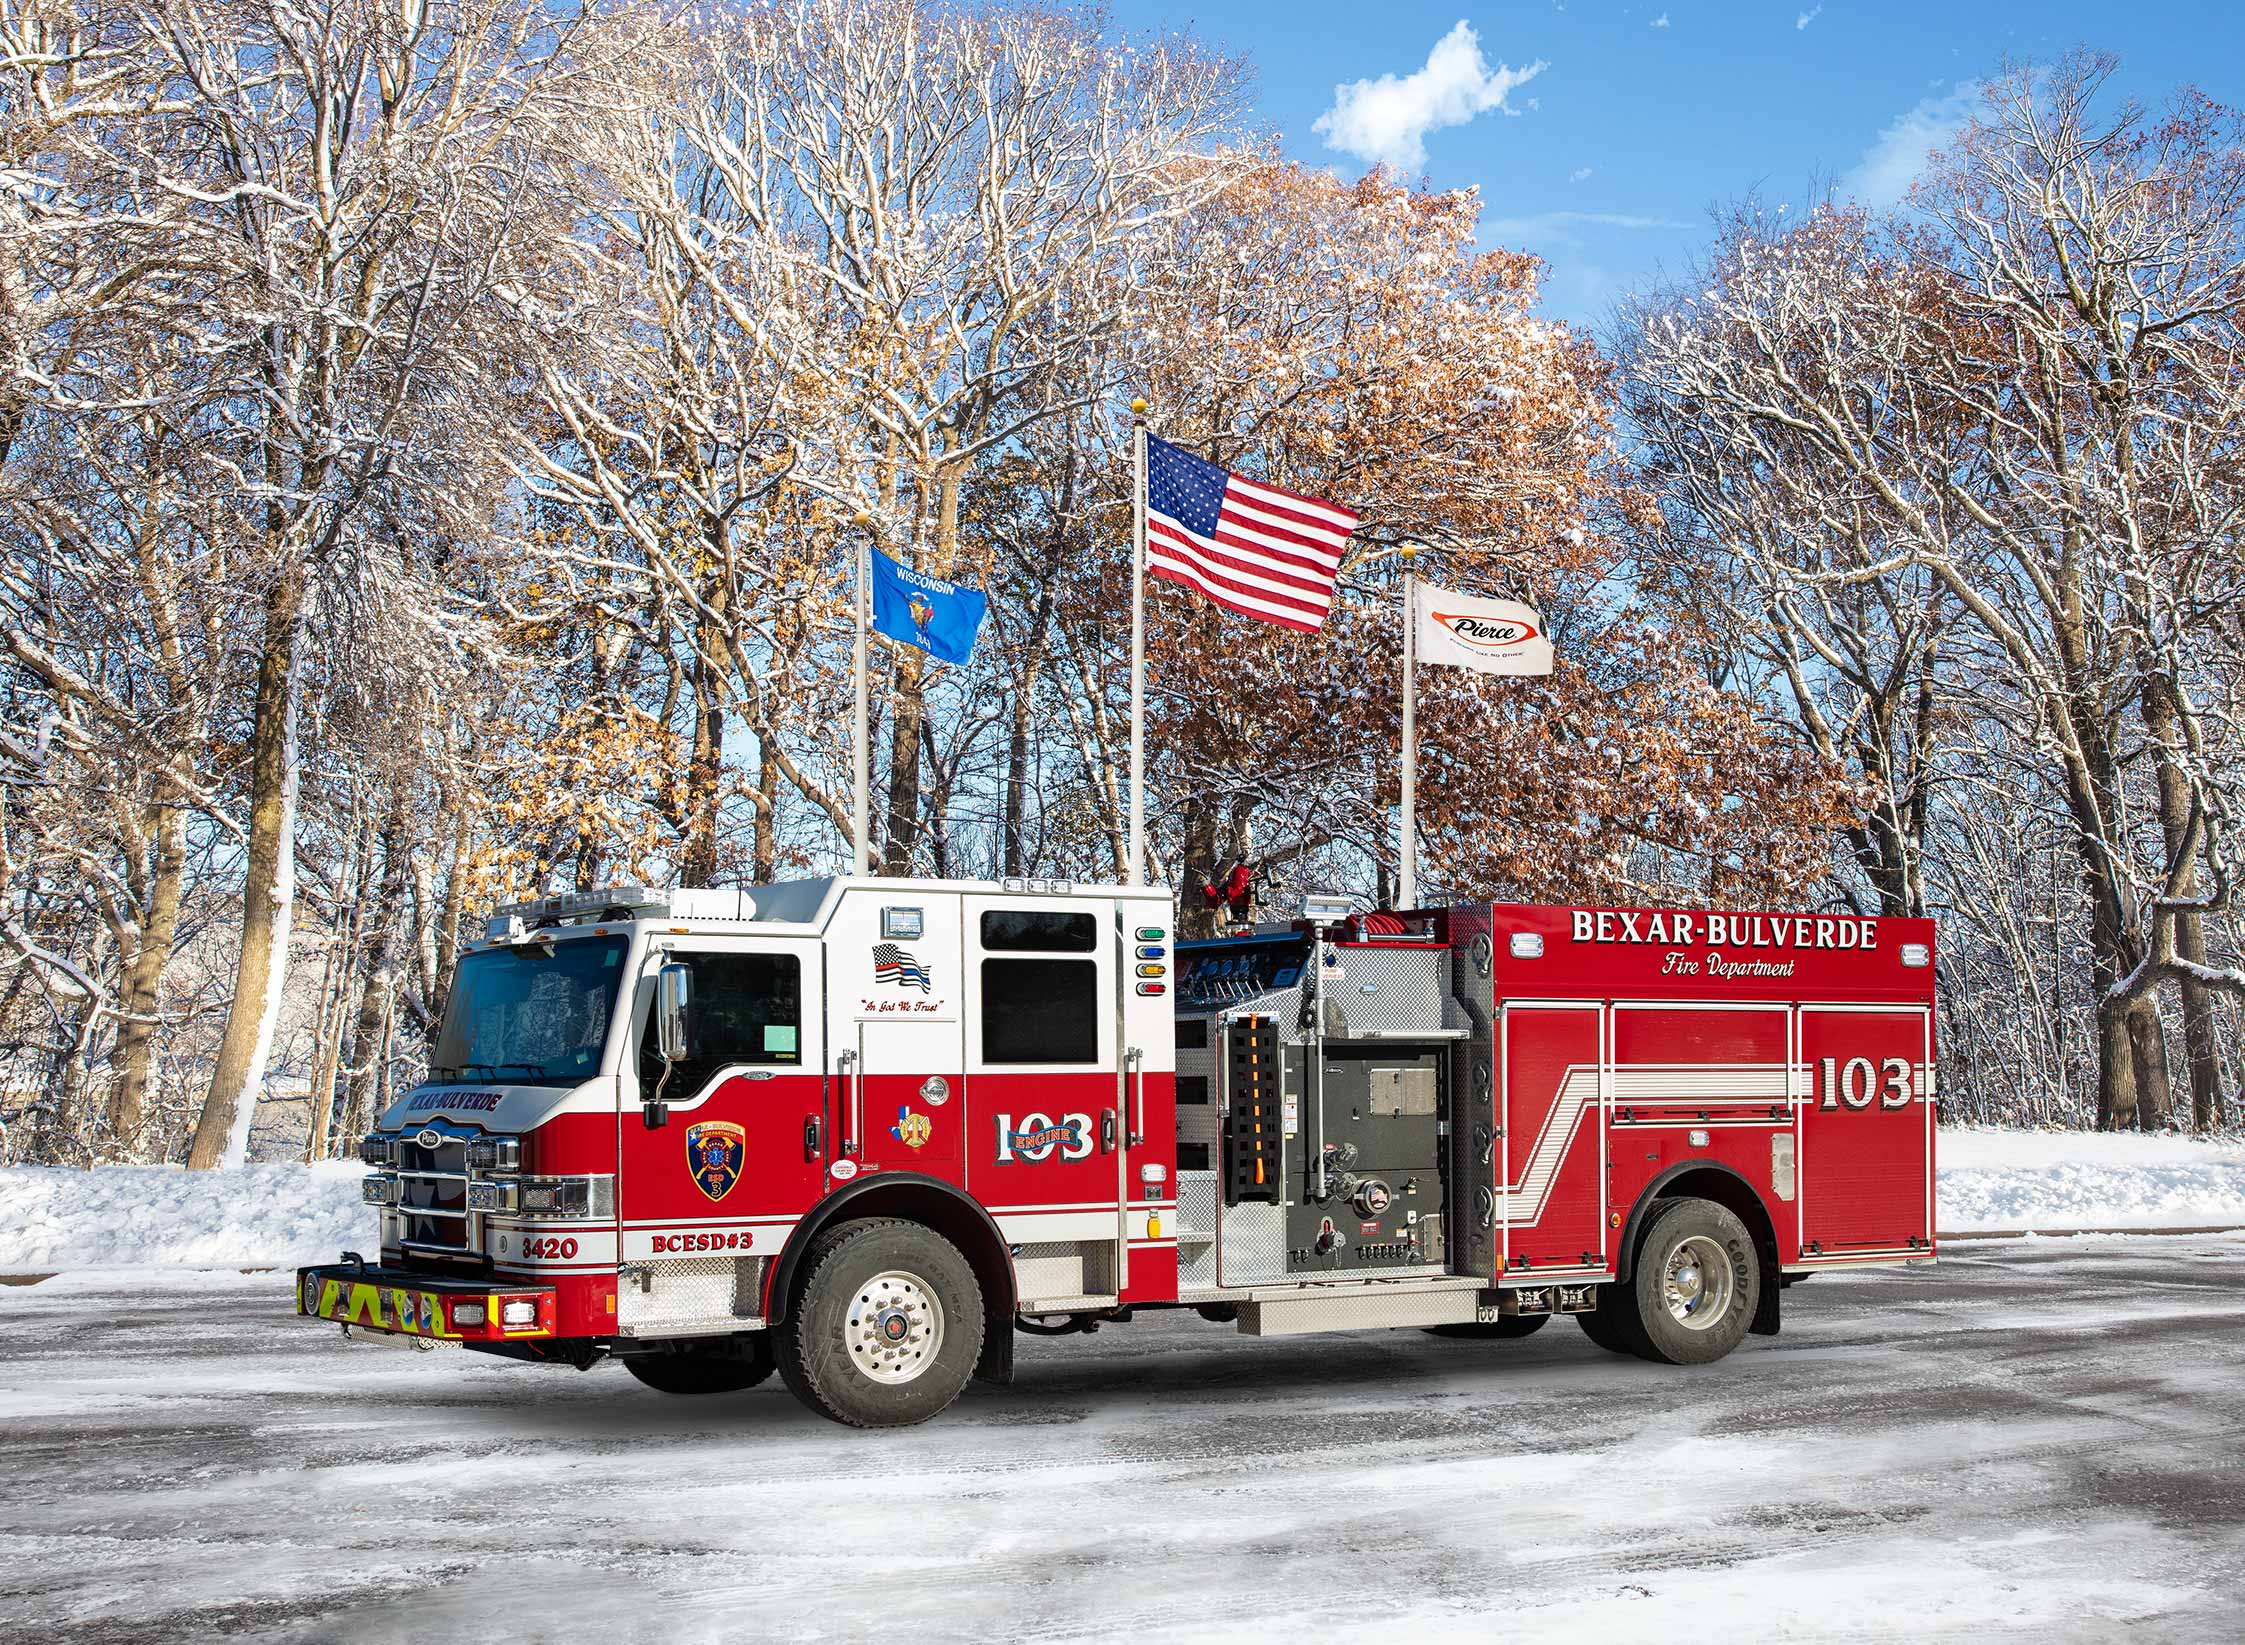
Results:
893 964
1251 548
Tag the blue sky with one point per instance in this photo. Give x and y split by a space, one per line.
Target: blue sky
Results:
1606 160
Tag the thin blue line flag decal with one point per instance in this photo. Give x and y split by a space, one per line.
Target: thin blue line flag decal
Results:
939 617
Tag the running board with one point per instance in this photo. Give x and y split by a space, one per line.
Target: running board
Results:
1296 1316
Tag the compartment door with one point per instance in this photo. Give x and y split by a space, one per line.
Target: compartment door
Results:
1866 1153
1551 1194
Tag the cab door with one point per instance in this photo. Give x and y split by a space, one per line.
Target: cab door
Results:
895 993
741 1157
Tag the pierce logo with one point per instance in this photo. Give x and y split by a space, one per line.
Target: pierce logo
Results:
1039 1136
1485 633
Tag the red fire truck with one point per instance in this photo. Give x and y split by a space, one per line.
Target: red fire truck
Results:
861 1130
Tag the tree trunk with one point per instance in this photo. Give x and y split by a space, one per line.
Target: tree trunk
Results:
448 923
901 825
764 844
2147 1044
1196 916
705 769
2116 1075
135 1053
338 976
1023 720
268 889
2200 1044
909 710
1015 856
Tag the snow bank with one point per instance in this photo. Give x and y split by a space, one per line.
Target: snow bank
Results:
132 1215
273 1216
2078 1179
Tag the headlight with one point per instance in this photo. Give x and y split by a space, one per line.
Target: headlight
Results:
566 1197
376 1150
494 1196
495 1153
521 1311
379 1191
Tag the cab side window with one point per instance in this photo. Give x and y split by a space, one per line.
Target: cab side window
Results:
1041 1010
747 1010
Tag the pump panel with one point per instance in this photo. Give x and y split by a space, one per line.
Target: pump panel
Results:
1380 1111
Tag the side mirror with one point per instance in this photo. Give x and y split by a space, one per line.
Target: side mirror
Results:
674 999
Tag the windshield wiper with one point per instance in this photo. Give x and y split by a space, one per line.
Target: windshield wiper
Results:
537 1070
437 1073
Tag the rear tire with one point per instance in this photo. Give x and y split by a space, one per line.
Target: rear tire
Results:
886 1328
1696 1283
1507 1329
723 1366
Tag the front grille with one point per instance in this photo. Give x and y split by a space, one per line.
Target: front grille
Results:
446 1194
449 1156
432 1210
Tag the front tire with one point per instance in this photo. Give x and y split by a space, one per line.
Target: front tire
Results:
724 1366
886 1328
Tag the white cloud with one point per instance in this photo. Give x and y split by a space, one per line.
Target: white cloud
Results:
1661 21
1386 120
1890 165
1581 174
1808 17
1561 229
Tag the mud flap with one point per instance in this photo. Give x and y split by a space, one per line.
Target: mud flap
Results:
996 1363
1765 1309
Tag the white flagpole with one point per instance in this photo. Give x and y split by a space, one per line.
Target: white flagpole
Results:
860 763
1137 871
1407 893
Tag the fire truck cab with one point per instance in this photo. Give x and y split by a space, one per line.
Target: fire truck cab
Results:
861 1130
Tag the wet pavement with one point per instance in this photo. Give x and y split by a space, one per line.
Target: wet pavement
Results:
2030 1440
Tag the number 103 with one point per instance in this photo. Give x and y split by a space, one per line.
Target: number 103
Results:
1857 1084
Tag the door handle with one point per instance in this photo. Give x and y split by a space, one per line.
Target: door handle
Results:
853 1075
1135 1060
1107 1128
813 1142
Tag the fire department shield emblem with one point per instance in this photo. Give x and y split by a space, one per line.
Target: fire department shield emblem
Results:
715 1152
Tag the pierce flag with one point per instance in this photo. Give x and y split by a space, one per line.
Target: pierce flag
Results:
1493 636
939 617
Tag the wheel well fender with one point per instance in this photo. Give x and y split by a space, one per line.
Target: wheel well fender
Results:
1710 1180
934 1204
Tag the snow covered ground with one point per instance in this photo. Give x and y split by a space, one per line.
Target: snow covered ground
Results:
127 1215
2030 1441
279 1215
2081 1179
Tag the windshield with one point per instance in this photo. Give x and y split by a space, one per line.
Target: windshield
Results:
531 1014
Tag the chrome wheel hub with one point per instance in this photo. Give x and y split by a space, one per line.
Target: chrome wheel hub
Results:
894 1327
1698 1283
